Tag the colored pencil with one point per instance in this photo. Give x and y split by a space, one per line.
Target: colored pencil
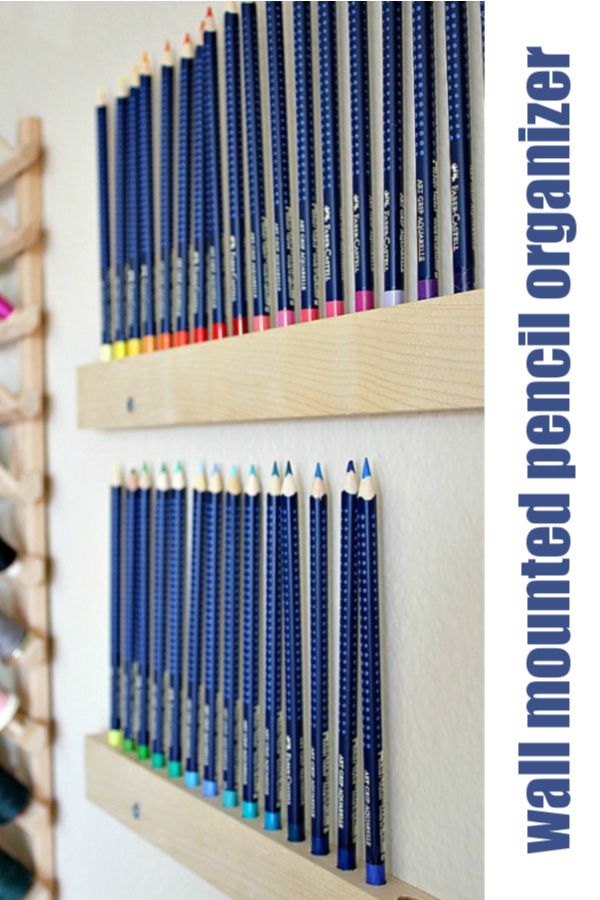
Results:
294 717
233 85
305 140
370 655
167 154
195 613
348 676
281 176
251 621
459 125
184 190
319 667
393 169
147 208
142 631
273 616
362 199
330 160
214 218
120 341
231 637
210 786
115 734
104 230
176 604
482 16
133 241
259 268
200 333
131 569
162 541
426 151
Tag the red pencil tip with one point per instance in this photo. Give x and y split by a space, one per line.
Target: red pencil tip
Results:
187 39
167 46
209 12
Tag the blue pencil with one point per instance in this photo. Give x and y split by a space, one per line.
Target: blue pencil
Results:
147 208
273 622
199 225
184 191
195 613
281 175
212 633
348 676
233 84
294 716
120 342
426 151
143 612
393 171
319 667
214 217
131 548
166 195
133 240
370 655
104 230
256 190
115 734
330 159
176 604
362 198
251 620
482 16
459 125
162 543
231 637
305 140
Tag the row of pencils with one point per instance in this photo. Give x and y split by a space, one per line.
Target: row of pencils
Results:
150 304
217 599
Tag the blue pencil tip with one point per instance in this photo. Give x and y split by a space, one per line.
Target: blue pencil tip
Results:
200 468
319 471
288 468
366 469
252 470
233 470
350 466
275 469
215 469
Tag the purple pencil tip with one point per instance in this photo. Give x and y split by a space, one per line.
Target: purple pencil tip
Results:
275 469
288 468
350 466
366 469
319 471
215 469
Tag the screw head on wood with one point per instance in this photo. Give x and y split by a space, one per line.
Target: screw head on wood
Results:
130 404
136 811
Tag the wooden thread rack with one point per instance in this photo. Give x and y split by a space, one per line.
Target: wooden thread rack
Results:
23 482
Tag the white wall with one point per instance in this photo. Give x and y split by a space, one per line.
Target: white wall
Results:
53 56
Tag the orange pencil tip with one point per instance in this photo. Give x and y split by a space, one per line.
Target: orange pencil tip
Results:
187 39
167 46
145 57
209 12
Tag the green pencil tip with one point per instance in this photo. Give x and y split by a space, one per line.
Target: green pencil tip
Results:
179 467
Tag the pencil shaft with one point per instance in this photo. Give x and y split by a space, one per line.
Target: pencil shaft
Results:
133 241
239 313
176 591
162 541
116 537
184 184
196 609
231 646
393 174
121 219
131 547
319 676
330 157
147 210
199 252
214 219
256 189
166 199
252 549
104 218
212 640
273 623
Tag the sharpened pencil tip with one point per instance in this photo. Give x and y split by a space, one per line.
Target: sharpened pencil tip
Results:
200 468
233 470
350 466
275 469
187 38
178 467
288 468
215 469
366 468
252 470
167 46
319 471
163 467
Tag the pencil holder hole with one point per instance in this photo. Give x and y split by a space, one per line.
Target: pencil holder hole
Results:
136 811
130 404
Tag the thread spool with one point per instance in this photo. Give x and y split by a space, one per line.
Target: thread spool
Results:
15 879
14 797
16 643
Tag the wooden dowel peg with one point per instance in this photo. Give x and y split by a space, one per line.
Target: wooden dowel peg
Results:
27 735
16 240
16 159
28 489
26 405
20 323
36 816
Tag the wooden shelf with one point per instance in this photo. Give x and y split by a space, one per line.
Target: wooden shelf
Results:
419 357
235 855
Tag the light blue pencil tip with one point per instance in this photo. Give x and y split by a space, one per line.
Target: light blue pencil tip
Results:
288 468
350 466
319 472
178 467
200 468
366 469
252 470
215 469
233 470
275 469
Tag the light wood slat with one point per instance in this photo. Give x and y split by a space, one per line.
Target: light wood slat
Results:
19 406
19 324
235 855
424 356
27 489
16 240
19 159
